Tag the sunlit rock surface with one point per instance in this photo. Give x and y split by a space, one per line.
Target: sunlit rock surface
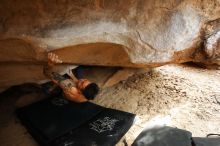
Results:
127 33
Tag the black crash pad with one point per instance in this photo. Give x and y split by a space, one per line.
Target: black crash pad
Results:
163 136
201 141
57 121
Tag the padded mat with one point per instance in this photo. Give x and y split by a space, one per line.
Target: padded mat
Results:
105 129
57 121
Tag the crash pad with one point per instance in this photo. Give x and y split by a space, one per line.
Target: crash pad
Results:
57 121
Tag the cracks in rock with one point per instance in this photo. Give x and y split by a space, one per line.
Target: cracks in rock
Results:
212 27
214 20
218 101
209 37
168 9
145 43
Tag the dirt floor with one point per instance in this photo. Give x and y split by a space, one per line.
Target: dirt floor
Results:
176 95
179 96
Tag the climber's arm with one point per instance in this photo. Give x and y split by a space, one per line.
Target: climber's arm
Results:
68 86
48 69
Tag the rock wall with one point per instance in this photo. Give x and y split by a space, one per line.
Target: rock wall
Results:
127 33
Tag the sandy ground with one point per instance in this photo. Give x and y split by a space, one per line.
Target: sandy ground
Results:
175 95
179 96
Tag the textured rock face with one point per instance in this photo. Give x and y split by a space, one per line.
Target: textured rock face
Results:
212 43
128 33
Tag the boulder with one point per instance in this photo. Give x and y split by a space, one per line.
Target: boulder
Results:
125 33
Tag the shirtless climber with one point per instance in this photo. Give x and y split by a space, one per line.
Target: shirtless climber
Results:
75 90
